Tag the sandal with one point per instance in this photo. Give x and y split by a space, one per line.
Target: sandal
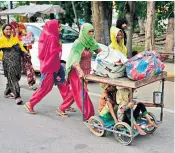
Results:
29 108
71 109
62 114
10 96
19 101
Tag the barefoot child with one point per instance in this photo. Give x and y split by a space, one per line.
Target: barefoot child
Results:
124 107
107 105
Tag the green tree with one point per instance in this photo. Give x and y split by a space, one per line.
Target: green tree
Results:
83 10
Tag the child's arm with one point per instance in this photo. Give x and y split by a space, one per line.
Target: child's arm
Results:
111 108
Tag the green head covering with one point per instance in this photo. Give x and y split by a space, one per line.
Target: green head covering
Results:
84 41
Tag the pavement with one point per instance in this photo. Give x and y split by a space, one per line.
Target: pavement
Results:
47 132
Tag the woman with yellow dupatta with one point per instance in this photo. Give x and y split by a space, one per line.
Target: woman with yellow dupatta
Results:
12 51
117 40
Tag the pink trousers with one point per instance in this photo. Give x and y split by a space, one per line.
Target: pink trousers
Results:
47 86
76 86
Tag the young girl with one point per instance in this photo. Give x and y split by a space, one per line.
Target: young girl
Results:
107 104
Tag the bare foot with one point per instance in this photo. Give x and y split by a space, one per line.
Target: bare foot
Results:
153 124
141 132
116 122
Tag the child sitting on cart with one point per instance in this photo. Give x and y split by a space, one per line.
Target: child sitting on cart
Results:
108 105
124 107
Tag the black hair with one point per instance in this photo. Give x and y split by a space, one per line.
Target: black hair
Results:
52 16
121 21
5 25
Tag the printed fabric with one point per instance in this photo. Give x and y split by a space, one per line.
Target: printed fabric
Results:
144 65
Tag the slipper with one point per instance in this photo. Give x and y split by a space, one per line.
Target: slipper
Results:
19 101
10 96
29 109
62 114
71 109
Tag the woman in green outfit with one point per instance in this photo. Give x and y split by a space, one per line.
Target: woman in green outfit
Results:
79 65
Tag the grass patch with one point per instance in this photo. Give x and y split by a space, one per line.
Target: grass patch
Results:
138 49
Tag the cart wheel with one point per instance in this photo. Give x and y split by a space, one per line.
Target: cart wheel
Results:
96 121
124 128
150 130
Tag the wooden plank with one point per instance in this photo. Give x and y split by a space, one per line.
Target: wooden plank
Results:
171 79
160 43
126 82
152 79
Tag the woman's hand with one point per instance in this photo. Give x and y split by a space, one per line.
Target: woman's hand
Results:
81 73
79 70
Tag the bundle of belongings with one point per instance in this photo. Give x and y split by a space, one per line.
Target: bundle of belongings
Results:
113 64
28 39
110 63
144 65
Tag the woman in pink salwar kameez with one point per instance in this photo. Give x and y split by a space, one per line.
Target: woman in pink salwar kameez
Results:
79 65
50 50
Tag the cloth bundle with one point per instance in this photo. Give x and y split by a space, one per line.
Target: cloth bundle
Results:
28 39
144 65
110 62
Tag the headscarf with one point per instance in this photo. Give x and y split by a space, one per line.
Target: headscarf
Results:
8 43
49 36
117 46
14 24
22 28
84 41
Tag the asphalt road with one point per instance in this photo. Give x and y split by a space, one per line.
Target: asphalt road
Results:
47 132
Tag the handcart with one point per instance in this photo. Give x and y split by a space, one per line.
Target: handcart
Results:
122 131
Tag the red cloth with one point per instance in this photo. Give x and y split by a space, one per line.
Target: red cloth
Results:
48 48
47 86
14 24
76 86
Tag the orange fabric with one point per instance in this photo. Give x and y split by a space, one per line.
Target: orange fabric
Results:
22 28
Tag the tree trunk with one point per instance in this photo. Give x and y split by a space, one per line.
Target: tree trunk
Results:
130 11
141 26
149 30
75 14
169 43
102 20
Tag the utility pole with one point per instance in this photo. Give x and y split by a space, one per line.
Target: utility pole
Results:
10 6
